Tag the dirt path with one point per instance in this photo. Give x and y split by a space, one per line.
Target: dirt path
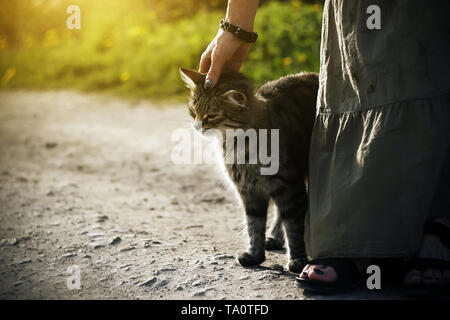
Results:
86 182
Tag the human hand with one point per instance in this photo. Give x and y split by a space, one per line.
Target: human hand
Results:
224 54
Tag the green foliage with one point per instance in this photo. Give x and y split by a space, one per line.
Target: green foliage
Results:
125 47
289 41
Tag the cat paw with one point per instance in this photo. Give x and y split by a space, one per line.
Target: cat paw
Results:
248 260
297 265
273 244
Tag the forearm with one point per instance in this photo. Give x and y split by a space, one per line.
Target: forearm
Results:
242 13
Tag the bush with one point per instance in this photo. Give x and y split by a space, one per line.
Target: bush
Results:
289 41
127 49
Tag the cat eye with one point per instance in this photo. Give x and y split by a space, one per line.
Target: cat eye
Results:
212 117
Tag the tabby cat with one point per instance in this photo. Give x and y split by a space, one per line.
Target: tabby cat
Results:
287 104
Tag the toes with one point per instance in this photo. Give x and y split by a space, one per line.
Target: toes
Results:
297 265
431 276
437 275
446 276
414 277
273 244
322 273
248 260
304 273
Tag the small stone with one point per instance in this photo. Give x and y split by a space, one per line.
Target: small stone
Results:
162 283
98 244
199 293
12 241
127 249
223 256
199 267
167 269
199 283
148 282
192 226
51 145
95 234
202 292
24 261
277 267
115 240
37 214
102 218
68 255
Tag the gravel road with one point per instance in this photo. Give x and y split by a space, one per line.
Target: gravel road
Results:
92 207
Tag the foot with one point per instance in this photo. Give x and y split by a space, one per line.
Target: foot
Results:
326 273
248 260
297 265
329 275
274 244
319 273
431 248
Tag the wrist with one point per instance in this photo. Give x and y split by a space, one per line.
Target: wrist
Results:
242 13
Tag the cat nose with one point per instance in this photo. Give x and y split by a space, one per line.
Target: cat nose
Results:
198 125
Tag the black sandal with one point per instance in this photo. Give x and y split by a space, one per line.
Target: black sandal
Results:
421 264
348 277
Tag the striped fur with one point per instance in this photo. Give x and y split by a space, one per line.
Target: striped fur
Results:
287 104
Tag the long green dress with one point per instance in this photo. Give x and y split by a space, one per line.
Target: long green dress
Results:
380 155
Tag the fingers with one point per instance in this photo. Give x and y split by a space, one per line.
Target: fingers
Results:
205 60
225 53
238 59
217 63
413 277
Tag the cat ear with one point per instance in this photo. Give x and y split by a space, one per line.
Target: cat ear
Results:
236 97
191 78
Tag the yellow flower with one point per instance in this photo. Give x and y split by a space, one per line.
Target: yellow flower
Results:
316 8
8 75
297 4
3 43
287 61
108 43
125 76
29 41
136 30
51 38
302 57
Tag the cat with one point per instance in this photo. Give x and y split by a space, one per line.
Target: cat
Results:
287 104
